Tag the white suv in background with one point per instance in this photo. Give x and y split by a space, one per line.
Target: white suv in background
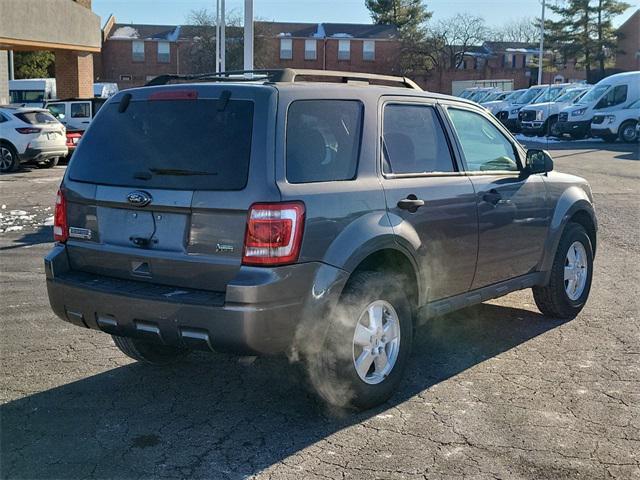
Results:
617 124
30 135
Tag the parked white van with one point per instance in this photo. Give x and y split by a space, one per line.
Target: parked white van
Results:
104 89
609 94
542 118
622 123
33 92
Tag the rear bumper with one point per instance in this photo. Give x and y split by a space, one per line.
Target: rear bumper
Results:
574 128
41 154
263 316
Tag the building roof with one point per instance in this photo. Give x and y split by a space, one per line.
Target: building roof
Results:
121 31
495 47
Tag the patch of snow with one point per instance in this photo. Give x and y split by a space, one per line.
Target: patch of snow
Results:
17 213
284 34
15 228
342 35
320 33
125 33
4 207
173 36
48 221
524 139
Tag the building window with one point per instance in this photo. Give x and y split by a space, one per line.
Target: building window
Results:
137 51
164 52
125 78
524 61
286 49
344 49
310 50
369 50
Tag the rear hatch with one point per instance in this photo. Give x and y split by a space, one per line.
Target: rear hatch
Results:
159 188
46 130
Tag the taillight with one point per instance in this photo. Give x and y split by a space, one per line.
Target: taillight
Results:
274 233
27 130
60 226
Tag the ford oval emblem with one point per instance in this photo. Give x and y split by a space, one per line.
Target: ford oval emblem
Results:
139 198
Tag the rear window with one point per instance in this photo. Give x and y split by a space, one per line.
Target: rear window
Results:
35 118
323 140
173 144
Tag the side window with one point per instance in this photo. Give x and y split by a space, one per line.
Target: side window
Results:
485 147
57 110
323 140
413 140
80 110
615 96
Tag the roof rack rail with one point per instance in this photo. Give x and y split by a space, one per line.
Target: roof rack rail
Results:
286 75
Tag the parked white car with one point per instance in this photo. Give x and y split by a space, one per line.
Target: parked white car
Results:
33 92
610 94
501 103
75 113
30 135
542 118
611 125
536 94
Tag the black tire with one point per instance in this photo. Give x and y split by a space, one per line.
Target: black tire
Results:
552 300
628 132
8 158
148 352
331 370
49 163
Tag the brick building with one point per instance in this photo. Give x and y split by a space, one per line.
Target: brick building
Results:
628 55
132 54
66 27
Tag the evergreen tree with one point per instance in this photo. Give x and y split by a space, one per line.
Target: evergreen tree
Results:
404 14
584 30
34 64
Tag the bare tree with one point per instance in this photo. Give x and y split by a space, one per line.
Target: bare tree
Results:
201 50
454 36
525 30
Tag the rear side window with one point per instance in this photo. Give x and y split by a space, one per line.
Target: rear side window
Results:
80 110
323 140
173 144
414 141
35 118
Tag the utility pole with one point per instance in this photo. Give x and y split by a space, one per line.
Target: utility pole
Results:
223 43
248 34
217 36
541 52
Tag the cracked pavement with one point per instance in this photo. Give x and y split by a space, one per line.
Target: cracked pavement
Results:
496 391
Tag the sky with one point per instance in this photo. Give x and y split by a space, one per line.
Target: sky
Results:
171 12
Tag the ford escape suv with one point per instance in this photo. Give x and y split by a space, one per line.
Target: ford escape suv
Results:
307 213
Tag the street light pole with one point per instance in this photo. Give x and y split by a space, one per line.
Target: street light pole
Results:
223 53
248 34
217 36
541 52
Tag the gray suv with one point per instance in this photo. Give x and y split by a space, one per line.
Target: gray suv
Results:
316 214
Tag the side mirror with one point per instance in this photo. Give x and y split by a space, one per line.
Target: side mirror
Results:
538 161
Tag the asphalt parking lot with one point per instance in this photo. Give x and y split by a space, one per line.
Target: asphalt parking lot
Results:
494 391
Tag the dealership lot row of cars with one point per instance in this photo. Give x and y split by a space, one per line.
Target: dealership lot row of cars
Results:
609 109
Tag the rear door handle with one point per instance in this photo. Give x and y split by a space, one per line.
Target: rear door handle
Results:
411 203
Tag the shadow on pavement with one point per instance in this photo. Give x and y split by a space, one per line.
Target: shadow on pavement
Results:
212 416
44 234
